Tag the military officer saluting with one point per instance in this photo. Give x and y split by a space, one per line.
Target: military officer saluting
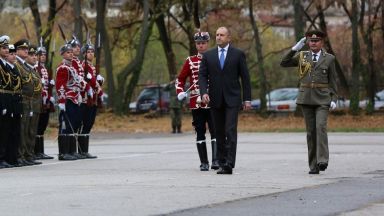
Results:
317 93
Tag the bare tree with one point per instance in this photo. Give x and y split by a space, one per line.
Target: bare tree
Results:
260 61
102 35
124 92
78 20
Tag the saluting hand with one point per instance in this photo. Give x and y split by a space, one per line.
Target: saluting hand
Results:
299 44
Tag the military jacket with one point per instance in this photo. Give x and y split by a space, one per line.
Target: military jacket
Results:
10 88
317 84
191 70
91 83
31 87
46 94
68 83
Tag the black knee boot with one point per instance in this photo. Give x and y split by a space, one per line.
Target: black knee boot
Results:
64 148
215 162
84 147
41 144
73 147
202 150
38 150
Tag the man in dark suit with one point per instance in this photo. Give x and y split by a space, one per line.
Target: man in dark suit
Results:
220 70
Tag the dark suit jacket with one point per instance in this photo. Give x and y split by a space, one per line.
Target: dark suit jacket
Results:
223 86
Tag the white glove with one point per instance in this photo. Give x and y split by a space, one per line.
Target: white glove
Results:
43 81
299 44
52 82
45 100
198 100
100 78
52 99
62 106
181 96
90 93
333 105
4 111
30 114
89 76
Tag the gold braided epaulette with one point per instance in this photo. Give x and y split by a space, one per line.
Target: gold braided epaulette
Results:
304 65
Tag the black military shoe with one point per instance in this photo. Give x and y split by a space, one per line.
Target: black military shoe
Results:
38 156
78 156
27 163
88 156
45 156
322 166
66 157
225 170
5 165
314 171
215 165
34 162
204 167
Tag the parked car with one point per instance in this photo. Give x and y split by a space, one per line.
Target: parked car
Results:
152 98
279 100
379 101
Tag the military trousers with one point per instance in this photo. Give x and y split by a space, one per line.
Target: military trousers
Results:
176 115
29 122
88 116
200 119
316 117
43 123
10 133
70 119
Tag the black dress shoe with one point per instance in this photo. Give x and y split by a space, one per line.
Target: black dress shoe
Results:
315 171
45 156
33 162
204 167
215 165
88 156
322 166
225 170
66 157
4 164
78 156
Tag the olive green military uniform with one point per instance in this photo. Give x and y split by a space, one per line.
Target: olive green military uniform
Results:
31 92
175 108
317 90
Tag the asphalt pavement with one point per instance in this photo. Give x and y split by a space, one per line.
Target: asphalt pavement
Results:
158 174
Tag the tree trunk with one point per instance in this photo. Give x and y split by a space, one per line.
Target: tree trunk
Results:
78 20
299 23
104 40
260 60
356 65
124 93
36 15
167 45
342 79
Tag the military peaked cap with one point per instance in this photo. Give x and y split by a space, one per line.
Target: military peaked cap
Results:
23 43
315 35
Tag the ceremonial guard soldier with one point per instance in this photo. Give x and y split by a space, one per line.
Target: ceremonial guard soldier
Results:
31 92
47 102
76 64
68 87
200 111
10 106
91 99
317 94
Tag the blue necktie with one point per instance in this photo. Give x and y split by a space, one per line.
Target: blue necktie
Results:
222 58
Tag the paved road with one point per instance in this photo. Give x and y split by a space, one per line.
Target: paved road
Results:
158 174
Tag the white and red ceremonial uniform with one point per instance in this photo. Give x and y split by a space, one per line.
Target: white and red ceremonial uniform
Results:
191 70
